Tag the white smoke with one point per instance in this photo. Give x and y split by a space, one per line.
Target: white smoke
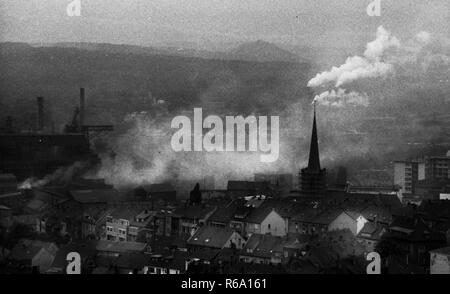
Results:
357 67
422 59
340 98
62 175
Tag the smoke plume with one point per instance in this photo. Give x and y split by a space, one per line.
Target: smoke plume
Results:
61 175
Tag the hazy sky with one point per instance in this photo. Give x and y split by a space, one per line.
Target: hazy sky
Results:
210 22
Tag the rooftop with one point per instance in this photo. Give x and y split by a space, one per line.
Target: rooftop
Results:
208 236
444 251
120 247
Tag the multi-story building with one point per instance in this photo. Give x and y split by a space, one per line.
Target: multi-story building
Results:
128 224
440 261
437 168
407 173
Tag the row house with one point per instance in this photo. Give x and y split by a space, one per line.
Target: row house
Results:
314 222
207 237
249 217
190 218
129 224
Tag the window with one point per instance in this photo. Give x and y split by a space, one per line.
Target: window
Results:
109 229
268 226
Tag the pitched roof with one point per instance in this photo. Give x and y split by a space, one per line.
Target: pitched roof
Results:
194 212
7 178
122 246
260 245
353 214
257 215
372 231
327 217
86 251
209 236
125 213
445 251
225 213
27 249
314 160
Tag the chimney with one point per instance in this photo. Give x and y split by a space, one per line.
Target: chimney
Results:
82 103
40 113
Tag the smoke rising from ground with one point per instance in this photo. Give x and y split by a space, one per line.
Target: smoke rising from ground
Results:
61 175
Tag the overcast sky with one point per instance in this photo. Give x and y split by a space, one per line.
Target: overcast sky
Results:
340 23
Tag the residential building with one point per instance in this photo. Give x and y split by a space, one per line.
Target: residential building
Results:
440 261
8 183
262 249
32 255
129 224
192 217
371 235
87 253
351 220
114 248
225 213
266 220
215 238
437 167
407 173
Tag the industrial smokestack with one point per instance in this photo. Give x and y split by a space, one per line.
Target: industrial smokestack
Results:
40 113
82 102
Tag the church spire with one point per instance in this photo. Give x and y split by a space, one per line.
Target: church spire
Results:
314 161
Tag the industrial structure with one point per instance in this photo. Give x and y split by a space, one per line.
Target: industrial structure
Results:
37 153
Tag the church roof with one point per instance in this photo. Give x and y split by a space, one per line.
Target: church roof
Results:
314 161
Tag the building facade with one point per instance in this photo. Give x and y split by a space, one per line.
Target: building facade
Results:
407 173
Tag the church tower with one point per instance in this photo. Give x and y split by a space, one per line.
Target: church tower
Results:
313 178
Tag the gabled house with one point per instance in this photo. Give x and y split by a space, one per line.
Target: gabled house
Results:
371 234
111 248
32 255
225 213
190 218
87 254
415 239
215 238
440 261
351 220
313 221
262 249
266 220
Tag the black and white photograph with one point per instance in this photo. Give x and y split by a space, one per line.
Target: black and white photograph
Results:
224 141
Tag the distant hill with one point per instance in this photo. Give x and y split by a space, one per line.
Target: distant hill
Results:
262 51
105 47
259 51
120 79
